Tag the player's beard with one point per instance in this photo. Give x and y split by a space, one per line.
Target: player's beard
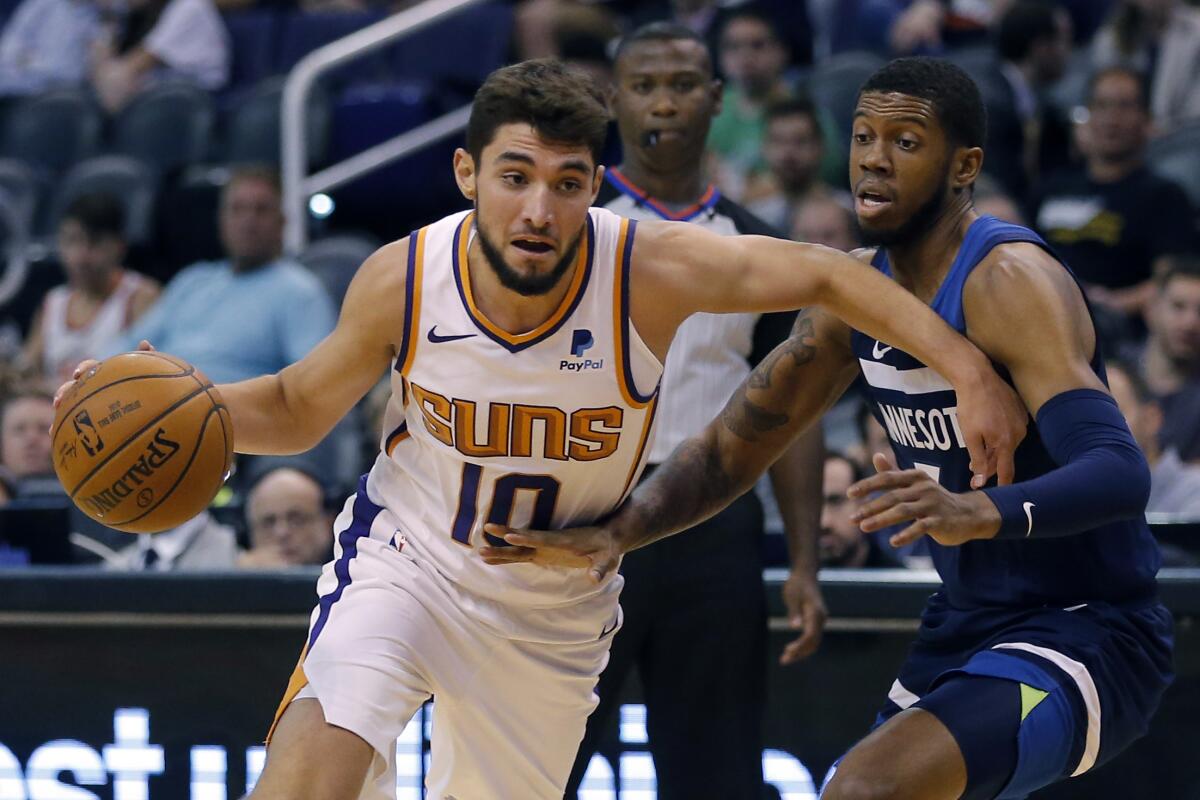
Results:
913 228
531 285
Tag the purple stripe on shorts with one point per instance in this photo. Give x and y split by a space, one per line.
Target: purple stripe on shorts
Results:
364 514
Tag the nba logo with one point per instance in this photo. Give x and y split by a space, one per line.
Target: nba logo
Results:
581 340
87 434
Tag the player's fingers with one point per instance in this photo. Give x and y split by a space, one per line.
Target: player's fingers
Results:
800 648
884 481
145 346
885 501
912 533
1005 467
883 462
901 512
506 555
977 451
83 367
602 565
522 537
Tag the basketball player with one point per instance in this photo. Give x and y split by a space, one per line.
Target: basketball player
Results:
524 342
1046 651
695 609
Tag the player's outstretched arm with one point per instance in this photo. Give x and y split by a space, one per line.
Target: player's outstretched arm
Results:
294 409
786 393
1026 312
682 269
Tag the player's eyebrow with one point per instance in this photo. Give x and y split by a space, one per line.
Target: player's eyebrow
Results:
913 118
574 164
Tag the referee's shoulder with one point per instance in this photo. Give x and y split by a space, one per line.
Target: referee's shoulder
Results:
744 220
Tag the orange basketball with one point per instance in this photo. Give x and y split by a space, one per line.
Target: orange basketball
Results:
142 442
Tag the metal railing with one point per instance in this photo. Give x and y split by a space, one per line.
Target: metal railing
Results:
298 185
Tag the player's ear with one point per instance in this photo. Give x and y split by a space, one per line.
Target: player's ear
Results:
464 173
968 164
597 182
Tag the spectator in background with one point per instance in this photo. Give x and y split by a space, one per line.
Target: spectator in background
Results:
161 40
991 200
923 27
45 45
793 148
287 521
823 219
1162 39
1174 485
25 458
1169 362
1114 220
1027 136
250 314
100 299
842 544
752 58
707 19
201 543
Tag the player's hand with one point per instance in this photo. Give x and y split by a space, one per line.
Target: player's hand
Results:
594 548
912 496
993 420
83 367
806 613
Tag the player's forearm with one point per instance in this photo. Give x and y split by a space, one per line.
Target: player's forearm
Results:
695 483
876 305
267 421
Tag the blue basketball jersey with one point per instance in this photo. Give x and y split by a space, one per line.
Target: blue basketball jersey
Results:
1116 562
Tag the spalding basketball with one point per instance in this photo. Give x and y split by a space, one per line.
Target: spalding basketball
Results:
142 442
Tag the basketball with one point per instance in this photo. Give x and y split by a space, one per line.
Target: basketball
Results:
142 442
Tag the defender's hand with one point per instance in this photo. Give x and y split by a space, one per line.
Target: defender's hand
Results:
993 420
594 549
806 613
912 495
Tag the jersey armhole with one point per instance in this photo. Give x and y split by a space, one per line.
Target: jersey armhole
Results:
628 340
412 301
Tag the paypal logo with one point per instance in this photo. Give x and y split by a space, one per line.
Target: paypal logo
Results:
581 340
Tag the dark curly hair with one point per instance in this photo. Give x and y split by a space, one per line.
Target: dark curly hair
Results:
561 103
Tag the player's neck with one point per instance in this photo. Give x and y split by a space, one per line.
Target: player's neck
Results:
681 186
921 265
511 311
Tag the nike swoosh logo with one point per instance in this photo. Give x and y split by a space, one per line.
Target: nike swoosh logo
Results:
880 352
436 339
1029 516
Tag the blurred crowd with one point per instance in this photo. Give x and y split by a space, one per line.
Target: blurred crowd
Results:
150 207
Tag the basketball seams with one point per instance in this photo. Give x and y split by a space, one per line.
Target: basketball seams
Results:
132 437
199 440
189 372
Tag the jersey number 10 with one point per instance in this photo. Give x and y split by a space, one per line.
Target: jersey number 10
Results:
504 494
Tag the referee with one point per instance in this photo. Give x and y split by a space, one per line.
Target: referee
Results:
695 607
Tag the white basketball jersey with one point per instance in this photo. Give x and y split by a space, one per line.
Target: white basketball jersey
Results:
548 428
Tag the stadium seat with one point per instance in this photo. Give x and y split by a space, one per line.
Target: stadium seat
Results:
53 130
460 50
254 36
366 115
135 183
167 126
302 33
1177 156
187 220
23 187
834 85
252 127
335 260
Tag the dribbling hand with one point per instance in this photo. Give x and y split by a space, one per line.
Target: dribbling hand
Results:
83 367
